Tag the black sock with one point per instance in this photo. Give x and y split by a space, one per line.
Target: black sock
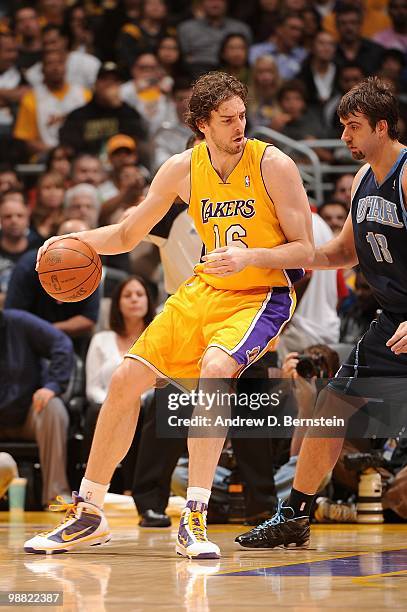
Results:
300 502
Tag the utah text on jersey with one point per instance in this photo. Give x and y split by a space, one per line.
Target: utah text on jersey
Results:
376 208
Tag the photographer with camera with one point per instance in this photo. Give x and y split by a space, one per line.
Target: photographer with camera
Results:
316 362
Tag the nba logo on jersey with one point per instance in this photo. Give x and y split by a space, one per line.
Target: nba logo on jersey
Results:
247 180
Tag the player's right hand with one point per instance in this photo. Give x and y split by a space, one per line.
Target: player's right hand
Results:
48 243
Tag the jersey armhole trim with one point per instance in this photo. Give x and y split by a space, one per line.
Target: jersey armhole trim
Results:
261 173
362 177
401 194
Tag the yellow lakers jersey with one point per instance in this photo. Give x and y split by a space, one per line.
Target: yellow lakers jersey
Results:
237 212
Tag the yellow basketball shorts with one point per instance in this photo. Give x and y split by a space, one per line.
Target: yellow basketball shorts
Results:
244 324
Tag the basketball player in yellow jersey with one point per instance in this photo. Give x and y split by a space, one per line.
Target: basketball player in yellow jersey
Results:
252 213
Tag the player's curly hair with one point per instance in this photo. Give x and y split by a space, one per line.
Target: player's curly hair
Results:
208 93
373 98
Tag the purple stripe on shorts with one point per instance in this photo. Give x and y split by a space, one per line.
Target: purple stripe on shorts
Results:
295 274
270 318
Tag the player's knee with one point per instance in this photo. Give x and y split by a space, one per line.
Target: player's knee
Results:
131 379
214 369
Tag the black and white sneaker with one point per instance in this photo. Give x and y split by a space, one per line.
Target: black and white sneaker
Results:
283 529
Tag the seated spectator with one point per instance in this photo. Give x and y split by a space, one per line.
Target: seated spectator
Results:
262 17
130 192
81 68
318 72
30 406
315 319
121 150
12 82
348 76
173 134
42 110
77 29
27 28
135 40
87 168
299 121
334 214
8 179
88 128
284 45
263 108
392 69
8 471
82 202
47 212
110 24
374 18
76 319
147 92
305 392
132 309
356 321
395 37
312 23
51 13
201 38
343 189
168 54
60 161
234 56
15 239
352 47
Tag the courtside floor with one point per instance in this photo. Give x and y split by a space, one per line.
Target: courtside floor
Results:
348 567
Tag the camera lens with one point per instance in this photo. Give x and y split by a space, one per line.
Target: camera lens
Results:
305 366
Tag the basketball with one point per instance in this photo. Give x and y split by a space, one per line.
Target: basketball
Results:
70 270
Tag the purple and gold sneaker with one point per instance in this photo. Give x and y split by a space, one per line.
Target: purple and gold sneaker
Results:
192 541
84 525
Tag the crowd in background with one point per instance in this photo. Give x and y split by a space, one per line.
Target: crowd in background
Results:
92 101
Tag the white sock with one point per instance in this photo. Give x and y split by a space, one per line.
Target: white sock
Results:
198 494
93 492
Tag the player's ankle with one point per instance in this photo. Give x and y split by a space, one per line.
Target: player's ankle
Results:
198 494
301 503
93 492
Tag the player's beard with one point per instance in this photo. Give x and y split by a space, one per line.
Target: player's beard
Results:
233 148
358 155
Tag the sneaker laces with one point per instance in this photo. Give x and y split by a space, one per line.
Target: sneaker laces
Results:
198 525
278 517
62 506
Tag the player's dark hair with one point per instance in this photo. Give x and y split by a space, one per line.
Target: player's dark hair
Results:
208 93
373 98
116 320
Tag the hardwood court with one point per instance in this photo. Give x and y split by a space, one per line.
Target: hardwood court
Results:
348 567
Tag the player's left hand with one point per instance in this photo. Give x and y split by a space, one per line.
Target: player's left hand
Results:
41 398
398 341
226 260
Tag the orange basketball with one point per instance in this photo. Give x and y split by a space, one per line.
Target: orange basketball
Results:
70 270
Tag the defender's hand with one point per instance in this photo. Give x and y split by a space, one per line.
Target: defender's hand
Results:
48 243
226 261
398 341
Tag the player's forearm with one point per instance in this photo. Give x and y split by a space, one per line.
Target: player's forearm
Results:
107 240
295 254
332 256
